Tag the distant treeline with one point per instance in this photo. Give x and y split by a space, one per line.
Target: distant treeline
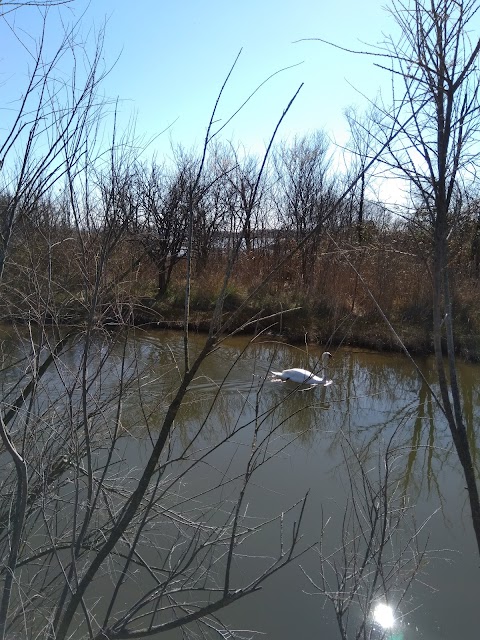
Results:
131 223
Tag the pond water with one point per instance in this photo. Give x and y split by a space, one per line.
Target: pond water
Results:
330 443
376 399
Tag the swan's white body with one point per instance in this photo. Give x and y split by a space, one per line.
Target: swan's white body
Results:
303 376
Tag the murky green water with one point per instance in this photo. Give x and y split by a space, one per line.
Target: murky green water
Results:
319 437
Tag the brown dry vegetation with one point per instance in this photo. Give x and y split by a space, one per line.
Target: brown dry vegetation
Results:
45 278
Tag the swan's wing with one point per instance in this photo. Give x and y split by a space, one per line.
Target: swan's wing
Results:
299 372
300 376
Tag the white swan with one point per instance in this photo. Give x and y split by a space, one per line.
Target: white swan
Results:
303 376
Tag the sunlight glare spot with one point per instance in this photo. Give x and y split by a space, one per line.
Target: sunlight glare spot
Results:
383 615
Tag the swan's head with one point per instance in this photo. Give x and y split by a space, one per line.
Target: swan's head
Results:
326 357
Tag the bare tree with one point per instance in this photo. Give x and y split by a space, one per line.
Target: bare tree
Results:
27 175
305 194
211 208
9 7
435 68
41 119
160 224
360 149
247 214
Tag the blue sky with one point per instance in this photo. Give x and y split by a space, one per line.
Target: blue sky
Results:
173 57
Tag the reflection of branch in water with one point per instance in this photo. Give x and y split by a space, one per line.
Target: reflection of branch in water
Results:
470 415
379 554
424 413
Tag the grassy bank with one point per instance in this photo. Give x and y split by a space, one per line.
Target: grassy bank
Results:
314 325
328 296
337 309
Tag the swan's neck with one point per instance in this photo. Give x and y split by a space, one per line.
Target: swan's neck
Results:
324 368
